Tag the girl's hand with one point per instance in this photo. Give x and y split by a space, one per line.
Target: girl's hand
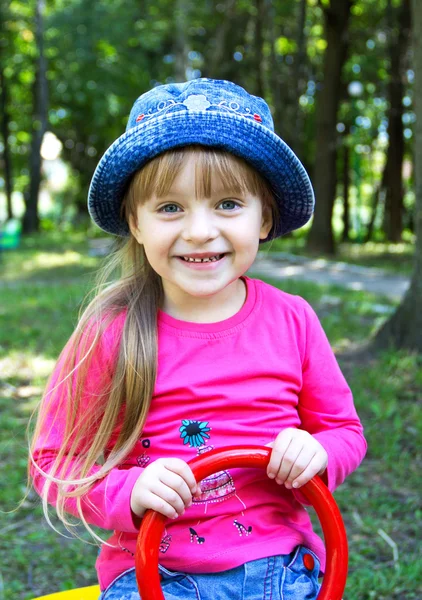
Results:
167 486
296 457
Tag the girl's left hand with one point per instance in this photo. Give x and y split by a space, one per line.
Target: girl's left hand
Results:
296 457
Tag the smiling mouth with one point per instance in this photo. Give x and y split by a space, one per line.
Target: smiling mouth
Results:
215 258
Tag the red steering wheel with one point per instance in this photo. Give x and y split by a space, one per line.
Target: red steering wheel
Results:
232 457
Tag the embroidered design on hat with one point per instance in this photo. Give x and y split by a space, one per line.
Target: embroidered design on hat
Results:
198 103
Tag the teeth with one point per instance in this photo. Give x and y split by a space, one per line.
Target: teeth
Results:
202 260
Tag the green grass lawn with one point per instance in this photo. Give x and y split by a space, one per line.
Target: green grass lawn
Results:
380 502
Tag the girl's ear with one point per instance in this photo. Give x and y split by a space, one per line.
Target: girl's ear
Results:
134 229
266 223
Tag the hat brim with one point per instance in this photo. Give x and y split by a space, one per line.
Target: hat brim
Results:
245 138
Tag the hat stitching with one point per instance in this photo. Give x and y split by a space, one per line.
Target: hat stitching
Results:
197 103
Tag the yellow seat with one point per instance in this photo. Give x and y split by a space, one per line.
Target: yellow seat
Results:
86 593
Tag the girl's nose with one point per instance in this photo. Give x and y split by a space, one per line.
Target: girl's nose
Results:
199 226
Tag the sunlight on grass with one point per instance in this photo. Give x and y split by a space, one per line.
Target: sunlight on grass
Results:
45 260
38 264
378 248
24 366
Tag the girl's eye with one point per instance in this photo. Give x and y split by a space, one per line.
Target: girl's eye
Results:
228 205
169 208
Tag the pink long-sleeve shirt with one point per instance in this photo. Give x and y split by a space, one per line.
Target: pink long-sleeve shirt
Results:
237 381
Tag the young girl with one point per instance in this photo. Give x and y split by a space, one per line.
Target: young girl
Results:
184 353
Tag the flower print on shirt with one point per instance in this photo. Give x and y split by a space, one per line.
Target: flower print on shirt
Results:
139 461
216 487
144 459
194 433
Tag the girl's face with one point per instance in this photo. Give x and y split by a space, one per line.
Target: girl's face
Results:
200 246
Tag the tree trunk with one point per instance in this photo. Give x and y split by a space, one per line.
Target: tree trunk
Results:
276 82
404 328
181 46
336 19
6 152
393 216
259 48
220 58
346 187
5 129
375 203
31 219
299 69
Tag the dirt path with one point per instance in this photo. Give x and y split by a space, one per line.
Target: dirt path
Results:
282 265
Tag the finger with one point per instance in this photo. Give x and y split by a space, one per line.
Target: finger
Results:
183 469
289 459
279 448
169 496
157 503
302 461
178 484
313 468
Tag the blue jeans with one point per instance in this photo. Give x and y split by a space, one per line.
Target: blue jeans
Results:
288 577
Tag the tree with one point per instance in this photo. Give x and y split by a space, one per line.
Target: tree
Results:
346 184
5 130
404 328
101 56
398 29
226 27
181 48
336 19
31 219
299 74
259 18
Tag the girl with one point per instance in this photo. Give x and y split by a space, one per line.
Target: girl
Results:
184 353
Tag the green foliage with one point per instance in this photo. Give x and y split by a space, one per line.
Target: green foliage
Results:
102 56
285 46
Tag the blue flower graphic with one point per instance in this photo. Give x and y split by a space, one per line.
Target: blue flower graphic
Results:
194 433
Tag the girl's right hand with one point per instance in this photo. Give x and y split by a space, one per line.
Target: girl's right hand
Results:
167 486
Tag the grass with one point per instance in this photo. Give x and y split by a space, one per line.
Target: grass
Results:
48 257
380 502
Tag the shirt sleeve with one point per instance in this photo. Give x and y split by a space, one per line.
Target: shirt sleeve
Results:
326 407
107 504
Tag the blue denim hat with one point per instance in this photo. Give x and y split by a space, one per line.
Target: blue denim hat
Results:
208 112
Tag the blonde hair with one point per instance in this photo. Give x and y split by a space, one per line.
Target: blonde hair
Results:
118 412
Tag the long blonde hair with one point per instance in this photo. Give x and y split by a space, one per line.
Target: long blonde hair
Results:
106 431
